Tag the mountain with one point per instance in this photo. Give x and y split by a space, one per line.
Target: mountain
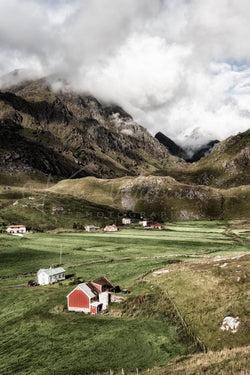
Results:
202 151
95 156
171 146
215 187
64 135
180 152
227 166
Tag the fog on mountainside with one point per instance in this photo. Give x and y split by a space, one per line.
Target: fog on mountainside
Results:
178 67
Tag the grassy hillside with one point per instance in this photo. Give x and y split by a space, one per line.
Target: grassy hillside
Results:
41 210
143 332
162 196
224 362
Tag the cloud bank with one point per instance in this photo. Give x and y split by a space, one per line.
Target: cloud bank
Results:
177 66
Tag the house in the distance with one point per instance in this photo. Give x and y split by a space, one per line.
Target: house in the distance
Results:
90 297
146 222
126 220
155 225
50 275
16 229
110 228
90 228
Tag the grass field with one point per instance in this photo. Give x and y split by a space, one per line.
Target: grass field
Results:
38 335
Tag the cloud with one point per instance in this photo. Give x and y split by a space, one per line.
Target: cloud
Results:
177 66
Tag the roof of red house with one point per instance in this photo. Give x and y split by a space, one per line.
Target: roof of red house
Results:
16 226
156 225
93 289
103 281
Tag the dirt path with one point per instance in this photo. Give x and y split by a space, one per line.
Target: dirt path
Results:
14 287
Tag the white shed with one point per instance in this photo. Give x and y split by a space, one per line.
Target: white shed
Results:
50 276
126 220
90 228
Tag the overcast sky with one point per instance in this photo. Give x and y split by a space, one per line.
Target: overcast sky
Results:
177 66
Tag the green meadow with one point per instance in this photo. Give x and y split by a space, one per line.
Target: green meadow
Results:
38 335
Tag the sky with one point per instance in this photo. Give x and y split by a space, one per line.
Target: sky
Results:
181 67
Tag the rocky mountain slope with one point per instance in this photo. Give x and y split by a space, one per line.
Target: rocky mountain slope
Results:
161 197
227 166
216 187
103 158
64 134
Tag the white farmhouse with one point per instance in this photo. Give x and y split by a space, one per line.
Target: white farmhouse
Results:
50 276
110 228
126 220
16 229
90 228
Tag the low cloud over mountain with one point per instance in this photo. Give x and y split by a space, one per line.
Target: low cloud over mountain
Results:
180 67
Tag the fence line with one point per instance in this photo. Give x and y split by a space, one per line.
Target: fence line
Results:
196 339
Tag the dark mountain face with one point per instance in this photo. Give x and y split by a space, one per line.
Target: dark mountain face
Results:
65 134
204 150
171 146
178 151
226 166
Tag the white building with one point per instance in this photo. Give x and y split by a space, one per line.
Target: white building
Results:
126 220
16 229
50 276
90 228
110 228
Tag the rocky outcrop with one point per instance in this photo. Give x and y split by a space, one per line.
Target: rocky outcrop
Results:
73 134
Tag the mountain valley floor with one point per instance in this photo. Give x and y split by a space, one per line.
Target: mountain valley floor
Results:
201 266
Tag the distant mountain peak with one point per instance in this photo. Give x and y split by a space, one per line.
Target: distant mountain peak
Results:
187 154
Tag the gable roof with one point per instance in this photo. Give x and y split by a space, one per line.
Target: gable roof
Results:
16 226
85 288
92 287
155 225
103 281
52 271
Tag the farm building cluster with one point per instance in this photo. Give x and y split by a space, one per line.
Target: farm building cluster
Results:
146 223
90 297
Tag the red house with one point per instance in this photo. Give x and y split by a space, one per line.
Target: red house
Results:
90 297
155 225
84 298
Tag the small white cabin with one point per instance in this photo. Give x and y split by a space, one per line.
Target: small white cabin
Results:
126 220
16 229
50 276
90 228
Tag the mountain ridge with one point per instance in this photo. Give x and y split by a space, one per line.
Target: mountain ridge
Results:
101 140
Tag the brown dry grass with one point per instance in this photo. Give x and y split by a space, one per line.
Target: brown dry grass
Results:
224 362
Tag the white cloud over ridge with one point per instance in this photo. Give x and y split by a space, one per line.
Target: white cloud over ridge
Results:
177 66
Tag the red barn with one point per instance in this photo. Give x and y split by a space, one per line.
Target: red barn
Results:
103 285
155 225
84 298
